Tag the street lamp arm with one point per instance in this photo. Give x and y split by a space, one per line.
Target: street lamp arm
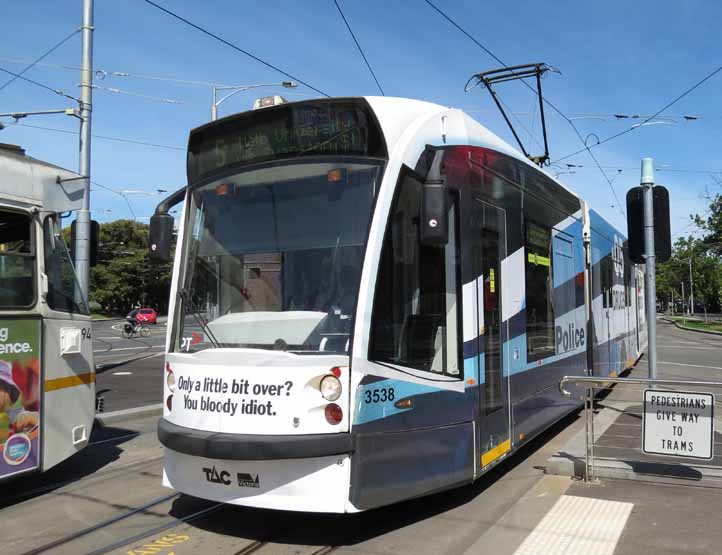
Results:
240 88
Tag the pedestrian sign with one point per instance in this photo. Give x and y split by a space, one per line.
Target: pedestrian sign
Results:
678 424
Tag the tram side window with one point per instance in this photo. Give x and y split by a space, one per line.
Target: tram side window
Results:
539 292
62 282
607 267
17 260
415 317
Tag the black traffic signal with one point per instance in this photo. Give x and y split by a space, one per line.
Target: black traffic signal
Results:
635 224
94 241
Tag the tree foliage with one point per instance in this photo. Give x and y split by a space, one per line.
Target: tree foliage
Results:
705 254
124 276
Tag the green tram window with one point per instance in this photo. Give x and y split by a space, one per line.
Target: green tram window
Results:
539 292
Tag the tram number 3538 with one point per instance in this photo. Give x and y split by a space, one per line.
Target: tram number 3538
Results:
380 395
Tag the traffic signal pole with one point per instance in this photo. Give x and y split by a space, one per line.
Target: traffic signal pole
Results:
82 239
647 182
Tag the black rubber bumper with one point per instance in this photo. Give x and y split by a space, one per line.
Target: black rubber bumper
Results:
246 447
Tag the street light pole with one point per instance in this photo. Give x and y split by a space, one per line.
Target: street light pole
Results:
691 289
240 88
214 105
684 305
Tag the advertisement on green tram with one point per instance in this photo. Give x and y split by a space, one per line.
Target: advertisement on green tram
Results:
19 395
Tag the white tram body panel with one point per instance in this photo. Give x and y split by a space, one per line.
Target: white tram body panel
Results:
246 420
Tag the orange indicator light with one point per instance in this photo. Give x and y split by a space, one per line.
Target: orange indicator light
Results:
336 175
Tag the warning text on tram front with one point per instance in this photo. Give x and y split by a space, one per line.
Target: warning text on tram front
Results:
678 424
237 396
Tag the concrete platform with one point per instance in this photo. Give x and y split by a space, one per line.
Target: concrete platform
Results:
618 422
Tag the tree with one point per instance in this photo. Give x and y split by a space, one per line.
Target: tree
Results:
711 223
706 273
124 276
706 256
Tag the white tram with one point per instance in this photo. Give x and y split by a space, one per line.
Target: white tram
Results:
47 376
374 299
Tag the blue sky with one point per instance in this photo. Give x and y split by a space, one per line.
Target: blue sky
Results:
614 57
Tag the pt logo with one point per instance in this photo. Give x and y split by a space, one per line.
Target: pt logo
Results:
248 481
222 477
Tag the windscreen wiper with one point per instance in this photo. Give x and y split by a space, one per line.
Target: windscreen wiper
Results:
188 300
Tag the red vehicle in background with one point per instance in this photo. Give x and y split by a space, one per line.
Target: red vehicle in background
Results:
147 316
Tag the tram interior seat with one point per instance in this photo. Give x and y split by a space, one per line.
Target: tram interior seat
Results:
421 339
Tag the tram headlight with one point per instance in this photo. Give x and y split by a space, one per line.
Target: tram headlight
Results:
330 388
170 381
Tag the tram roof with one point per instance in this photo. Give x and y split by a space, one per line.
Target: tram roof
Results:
25 180
396 114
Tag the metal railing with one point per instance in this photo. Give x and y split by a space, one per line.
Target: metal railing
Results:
594 383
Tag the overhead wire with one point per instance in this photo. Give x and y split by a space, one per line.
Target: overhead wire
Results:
361 51
125 197
650 118
46 87
545 100
235 47
137 95
40 59
105 137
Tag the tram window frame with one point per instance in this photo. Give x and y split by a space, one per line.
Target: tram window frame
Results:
535 286
60 300
401 262
31 255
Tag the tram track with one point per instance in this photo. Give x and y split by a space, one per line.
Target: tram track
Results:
90 529
257 548
151 531
100 475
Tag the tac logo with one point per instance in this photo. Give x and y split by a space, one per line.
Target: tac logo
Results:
248 481
215 477
568 339
618 256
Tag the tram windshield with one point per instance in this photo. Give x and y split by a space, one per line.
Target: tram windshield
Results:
274 257
17 260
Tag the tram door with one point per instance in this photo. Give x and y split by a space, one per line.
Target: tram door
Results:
490 236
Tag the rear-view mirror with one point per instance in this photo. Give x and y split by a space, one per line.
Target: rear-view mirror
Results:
161 236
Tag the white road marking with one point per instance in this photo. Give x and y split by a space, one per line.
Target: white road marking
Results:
129 348
687 364
577 525
122 373
691 347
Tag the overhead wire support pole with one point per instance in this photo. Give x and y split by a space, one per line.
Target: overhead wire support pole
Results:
82 239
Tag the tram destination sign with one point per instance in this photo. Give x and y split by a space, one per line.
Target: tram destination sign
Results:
678 424
310 128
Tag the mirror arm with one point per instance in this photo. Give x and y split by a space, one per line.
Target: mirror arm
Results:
170 201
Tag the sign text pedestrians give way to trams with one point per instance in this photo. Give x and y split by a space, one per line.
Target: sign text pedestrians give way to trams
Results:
680 424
